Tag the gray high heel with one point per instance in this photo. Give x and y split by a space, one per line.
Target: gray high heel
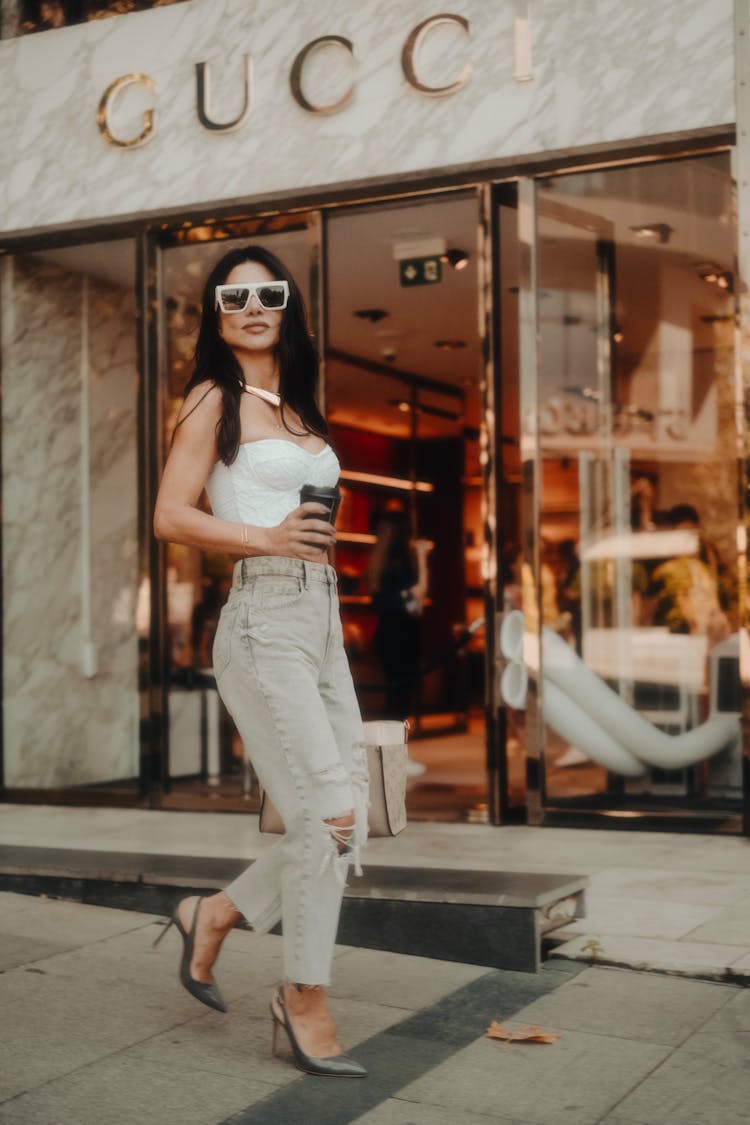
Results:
335 1066
207 993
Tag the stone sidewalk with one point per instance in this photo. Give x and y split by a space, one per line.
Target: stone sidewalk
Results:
674 903
95 1030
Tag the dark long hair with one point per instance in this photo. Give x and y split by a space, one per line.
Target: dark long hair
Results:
215 361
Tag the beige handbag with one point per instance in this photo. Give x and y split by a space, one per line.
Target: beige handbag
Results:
385 742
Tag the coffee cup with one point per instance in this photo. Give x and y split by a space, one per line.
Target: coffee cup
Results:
329 497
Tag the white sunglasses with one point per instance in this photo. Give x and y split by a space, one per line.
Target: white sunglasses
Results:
270 295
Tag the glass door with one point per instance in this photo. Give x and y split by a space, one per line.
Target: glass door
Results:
630 583
404 365
205 760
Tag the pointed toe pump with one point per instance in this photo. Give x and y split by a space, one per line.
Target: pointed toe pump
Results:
336 1066
207 993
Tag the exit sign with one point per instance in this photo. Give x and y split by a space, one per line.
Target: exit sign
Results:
420 271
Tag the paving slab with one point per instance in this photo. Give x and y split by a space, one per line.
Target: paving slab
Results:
241 1045
671 885
705 1082
16 950
64 1019
645 917
398 1111
626 1005
730 926
709 960
575 1081
399 980
726 1036
10 902
460 1018
513 847
122 1091
70 922
238 1047
358 1020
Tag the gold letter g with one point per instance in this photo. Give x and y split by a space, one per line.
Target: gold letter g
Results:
105 105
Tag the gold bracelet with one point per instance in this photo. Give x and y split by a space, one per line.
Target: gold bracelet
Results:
246 539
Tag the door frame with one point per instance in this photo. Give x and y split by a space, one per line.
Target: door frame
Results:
155 780
542 811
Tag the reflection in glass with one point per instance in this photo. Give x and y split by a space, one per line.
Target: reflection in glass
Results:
637 440
403 361
21 17
204 748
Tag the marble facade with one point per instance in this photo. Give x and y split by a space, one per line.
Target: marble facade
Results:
600 71
62 727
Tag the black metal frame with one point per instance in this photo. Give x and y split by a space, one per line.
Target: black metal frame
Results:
153 668
560 812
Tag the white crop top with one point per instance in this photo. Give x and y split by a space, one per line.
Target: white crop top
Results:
261 486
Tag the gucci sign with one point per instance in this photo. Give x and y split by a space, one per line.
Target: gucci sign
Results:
410 65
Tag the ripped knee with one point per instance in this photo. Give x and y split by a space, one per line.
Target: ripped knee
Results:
341 829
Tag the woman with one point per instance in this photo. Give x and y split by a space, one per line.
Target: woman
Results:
251 433
398 581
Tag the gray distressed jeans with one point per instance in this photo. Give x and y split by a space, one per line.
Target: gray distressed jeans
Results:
284 677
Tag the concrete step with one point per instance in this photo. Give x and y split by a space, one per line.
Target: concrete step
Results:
494 918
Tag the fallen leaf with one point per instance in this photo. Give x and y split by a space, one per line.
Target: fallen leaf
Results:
594 947
529 1033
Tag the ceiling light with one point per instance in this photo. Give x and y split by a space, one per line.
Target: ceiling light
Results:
653 232
449 345
715 275
405 407
373 315
352 477
459 259
355 537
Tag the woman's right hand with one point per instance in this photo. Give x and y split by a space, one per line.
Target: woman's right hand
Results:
300 538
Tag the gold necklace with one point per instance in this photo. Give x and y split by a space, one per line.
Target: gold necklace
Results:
271 397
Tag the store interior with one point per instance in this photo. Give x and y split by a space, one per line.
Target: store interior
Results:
401 389
630 422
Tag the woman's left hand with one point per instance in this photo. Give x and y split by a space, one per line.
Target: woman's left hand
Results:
301 535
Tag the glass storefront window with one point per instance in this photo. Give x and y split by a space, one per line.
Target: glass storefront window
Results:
403 363
636 439
70 517
205 754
